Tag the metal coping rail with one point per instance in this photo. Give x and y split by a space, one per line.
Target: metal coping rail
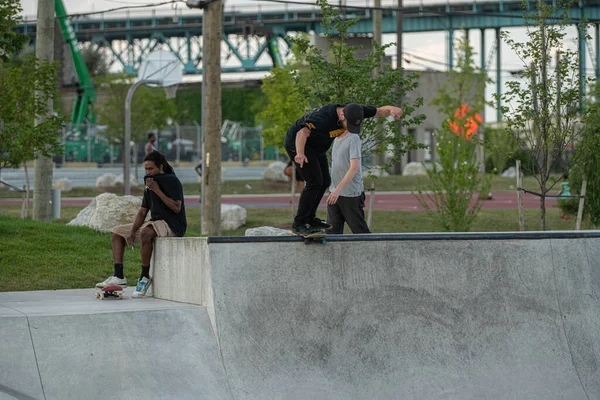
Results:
534 235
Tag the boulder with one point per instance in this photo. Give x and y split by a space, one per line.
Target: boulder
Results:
414 169
106 180
64 184
375 171
510 173
276 172
268 231
120 180
107 211
232 217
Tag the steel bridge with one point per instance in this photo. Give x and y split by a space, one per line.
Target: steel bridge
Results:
249 37
131 37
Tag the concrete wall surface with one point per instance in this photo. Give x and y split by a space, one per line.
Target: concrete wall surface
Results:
447 319
408 316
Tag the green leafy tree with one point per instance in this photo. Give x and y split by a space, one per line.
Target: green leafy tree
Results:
25 89
284 104
150 109
589 166
10 41
96 60
450 196
542 112
501 148
339 76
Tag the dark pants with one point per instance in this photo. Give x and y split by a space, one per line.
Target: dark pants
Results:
348 210
316 177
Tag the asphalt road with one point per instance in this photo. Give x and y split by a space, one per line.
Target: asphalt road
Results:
86 177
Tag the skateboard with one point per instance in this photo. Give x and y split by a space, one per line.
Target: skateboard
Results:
110 291
318 237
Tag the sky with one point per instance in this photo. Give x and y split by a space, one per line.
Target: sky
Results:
426 45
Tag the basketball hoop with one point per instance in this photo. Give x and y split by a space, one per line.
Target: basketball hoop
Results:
164 69
170 91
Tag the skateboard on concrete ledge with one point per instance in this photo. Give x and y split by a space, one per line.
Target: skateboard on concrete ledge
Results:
317 237
110 291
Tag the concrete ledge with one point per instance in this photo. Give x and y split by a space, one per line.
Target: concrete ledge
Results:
180 270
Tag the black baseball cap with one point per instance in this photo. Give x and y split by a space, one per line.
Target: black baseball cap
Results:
354 117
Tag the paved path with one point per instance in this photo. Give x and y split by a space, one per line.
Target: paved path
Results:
389 201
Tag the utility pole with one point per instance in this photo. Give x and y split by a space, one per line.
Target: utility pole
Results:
212 27
377 36
397 170
44 50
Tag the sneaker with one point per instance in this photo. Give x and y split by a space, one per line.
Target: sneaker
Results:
142 287
319 224
112 281
305 229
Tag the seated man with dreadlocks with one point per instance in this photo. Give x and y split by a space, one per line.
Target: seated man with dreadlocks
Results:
163 197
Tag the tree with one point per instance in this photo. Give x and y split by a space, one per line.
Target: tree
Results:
542 112
339 77
449 197
95 60
589 166
284 104
150 109
25 88
10 41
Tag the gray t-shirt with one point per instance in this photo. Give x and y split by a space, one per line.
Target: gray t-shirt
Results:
343 151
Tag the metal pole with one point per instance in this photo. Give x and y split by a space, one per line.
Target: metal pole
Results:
198 136
127 140
581 204
241 156
262 151
55 203
178 135
498 75
89 145
64 140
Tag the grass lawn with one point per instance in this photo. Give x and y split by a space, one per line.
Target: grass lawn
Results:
36 255
383 184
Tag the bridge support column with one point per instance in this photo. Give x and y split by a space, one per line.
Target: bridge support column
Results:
482 55
582 62
597 38
450 49
498 74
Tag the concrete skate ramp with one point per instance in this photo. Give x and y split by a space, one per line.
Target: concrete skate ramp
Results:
68 345
507 316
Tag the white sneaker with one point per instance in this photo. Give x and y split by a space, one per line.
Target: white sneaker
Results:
112 281
142 287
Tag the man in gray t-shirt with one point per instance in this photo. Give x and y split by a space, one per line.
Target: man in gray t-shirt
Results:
346 202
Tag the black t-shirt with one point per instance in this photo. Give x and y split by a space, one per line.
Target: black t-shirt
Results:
170 185
324 128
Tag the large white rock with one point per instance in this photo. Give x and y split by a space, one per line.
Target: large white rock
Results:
64 184
375 171
510 173
107 211
106 180
268 231
83 218
414 169
120 180
275 172
232 217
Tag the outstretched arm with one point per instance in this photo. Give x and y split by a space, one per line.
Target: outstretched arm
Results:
389 111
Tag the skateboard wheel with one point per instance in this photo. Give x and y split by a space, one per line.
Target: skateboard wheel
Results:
120 296
97 295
